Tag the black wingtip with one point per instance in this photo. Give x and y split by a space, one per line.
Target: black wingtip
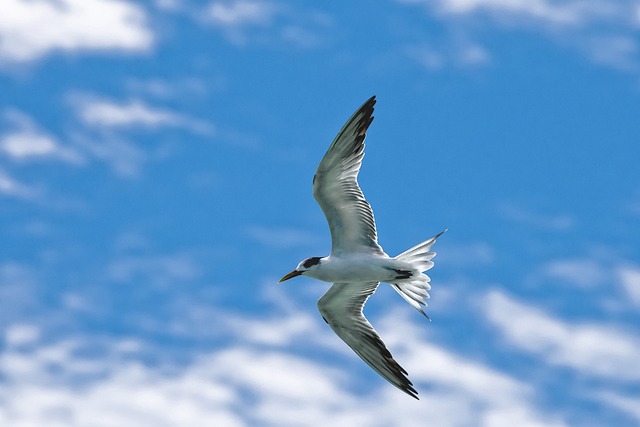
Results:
411 392
370 102
368 106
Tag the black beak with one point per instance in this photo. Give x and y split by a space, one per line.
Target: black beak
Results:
294 273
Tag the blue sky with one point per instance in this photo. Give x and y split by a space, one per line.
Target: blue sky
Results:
155 182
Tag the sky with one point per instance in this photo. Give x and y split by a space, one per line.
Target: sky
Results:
156 160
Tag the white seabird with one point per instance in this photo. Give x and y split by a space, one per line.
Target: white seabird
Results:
357 264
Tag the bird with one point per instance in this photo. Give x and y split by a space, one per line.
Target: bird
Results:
357 263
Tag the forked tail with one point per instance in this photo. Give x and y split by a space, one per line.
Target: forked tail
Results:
419 256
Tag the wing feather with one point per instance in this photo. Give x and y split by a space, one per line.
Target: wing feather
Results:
336 189
341 307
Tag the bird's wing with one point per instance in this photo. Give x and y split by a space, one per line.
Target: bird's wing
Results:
341 307
336 189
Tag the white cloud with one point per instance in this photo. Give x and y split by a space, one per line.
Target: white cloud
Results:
158 269
426 56
595 271
106 122
27 144
457 53
604 31
104 113
632 206
472 379
240 13
26 141
554 222
281 237
242 21
30 29
618 51
21 334
625 403
124 157
300 36
473 54
9 186
581 272
592 350
183 88
33 145
280 368
170 5
571 12
109 114
235 18
629 277
468 254
296 326
17 292
251 382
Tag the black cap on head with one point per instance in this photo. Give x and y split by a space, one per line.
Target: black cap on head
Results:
311 261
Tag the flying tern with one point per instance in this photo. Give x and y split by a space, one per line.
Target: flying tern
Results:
357 264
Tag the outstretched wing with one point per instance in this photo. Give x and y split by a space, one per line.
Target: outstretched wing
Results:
336 189
341 307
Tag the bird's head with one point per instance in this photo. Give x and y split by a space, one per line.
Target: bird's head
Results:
305 266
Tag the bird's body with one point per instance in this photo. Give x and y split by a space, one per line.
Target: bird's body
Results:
358 267
357 264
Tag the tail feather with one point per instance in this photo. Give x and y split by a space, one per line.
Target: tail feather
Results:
421 253
415 300
415 291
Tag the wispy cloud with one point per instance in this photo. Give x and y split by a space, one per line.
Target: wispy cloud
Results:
632 206
98 139
625 403
73 381
105 126
281 237
237 17
124 157
590 349
456 54
474 380
605 32
184 88
32 29
629 276
572 12
109 114
156 269
580 272
241 13
468 254
25 141
21 145
18 335
10 186
620 51
597 272
170 5
242 21
554 222
17 289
